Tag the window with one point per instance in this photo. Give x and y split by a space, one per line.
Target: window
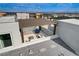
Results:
5 40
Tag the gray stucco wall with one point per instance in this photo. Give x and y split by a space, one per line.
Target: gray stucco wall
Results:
69 33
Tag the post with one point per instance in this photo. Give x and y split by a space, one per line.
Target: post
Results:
22 36
54 31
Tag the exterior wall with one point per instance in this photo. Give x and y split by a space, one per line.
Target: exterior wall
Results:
13 29
22 15
68 31
28 29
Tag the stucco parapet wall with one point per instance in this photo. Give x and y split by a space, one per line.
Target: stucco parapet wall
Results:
7 49
70 21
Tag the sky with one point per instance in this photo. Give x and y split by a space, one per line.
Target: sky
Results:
40 7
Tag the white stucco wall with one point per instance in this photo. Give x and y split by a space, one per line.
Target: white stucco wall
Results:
13 29
22 16
68 31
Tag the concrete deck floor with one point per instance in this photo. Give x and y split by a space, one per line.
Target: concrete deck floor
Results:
63 44
47 48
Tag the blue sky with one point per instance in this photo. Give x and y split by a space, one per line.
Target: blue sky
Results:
40 7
